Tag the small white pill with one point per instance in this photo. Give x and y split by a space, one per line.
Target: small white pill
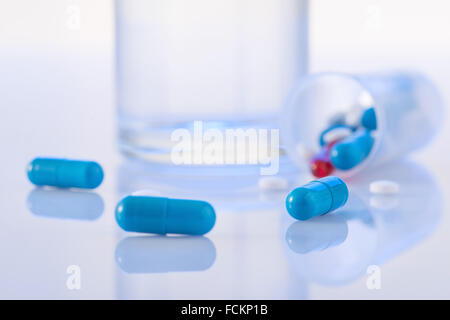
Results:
384 187
273 183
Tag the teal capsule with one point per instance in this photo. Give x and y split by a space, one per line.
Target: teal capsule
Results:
163 215
369 119
64 173
351 151
316 198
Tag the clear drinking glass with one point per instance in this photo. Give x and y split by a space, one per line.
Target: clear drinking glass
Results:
228 63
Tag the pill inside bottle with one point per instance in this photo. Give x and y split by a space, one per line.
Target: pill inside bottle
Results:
65 173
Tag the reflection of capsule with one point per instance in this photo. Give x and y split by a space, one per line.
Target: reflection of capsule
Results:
317 234
357 209
65 204
158 254
351 151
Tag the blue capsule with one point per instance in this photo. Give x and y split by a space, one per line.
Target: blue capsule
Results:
65 173
351 151
369 119
163 215
316 198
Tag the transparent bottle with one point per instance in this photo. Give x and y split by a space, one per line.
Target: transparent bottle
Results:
407 106
228 63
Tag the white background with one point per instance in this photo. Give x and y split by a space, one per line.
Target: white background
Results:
57 98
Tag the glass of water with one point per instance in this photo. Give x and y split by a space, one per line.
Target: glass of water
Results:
226 63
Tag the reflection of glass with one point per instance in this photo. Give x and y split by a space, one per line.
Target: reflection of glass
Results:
65 204
134 175
403 221
155 254
228 63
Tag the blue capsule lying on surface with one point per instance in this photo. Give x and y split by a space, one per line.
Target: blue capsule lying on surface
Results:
369 119
64 173
351 151
317 198
163 215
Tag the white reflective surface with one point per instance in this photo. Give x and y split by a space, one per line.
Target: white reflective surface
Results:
57 101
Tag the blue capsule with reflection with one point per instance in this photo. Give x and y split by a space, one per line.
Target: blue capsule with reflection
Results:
317 198
163 215
351 151
64 173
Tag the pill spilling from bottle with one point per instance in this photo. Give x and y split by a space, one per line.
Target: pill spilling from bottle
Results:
345 143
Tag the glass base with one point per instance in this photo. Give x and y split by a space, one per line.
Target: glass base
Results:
153 143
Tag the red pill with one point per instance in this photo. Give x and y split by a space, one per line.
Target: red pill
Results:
320 167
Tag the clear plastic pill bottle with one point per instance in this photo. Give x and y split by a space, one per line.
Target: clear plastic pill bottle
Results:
407 107
227 63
